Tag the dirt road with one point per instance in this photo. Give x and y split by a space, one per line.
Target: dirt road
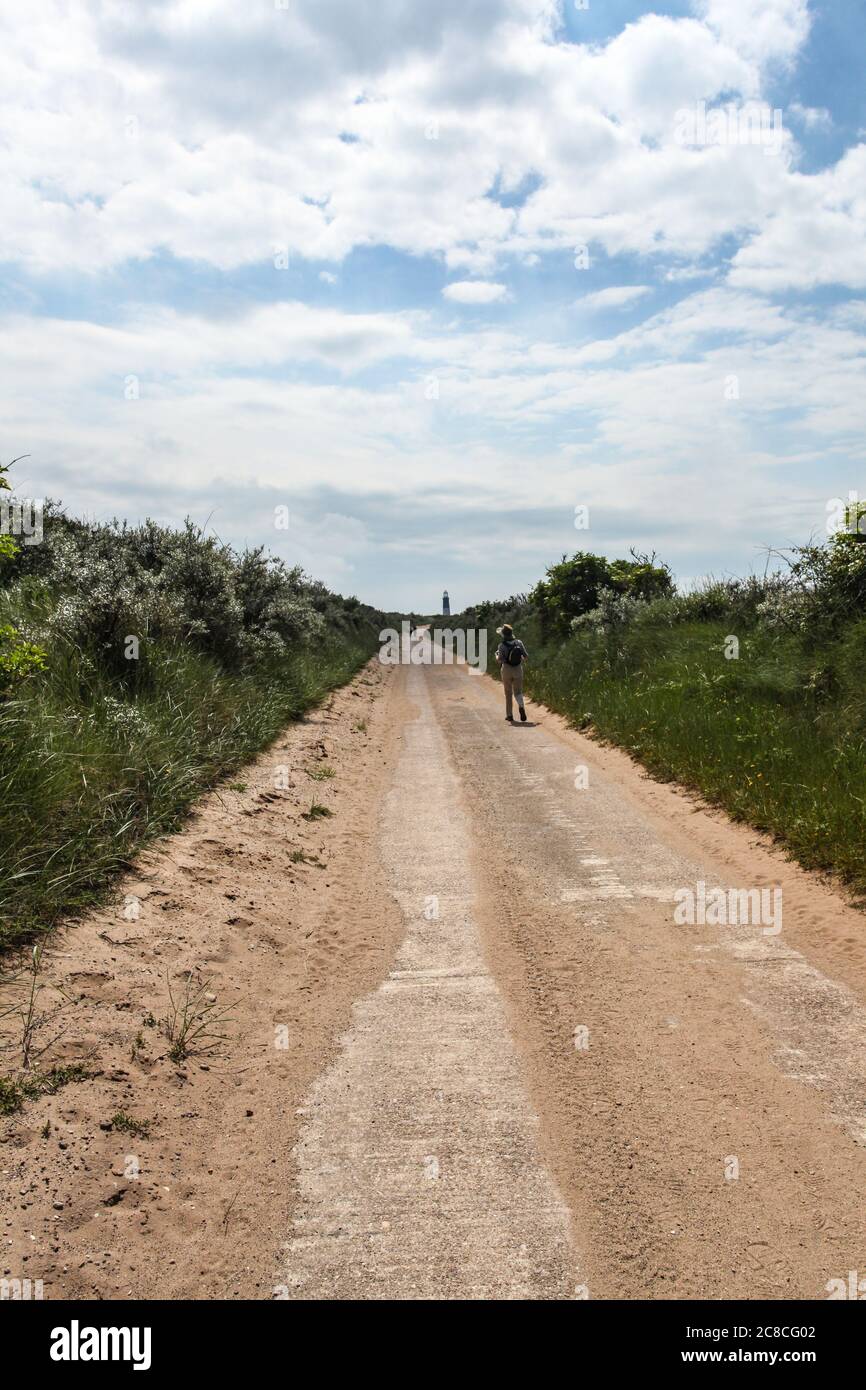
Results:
702 1090
419 1165
509 1070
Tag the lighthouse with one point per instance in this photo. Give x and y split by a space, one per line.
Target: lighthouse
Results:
446 606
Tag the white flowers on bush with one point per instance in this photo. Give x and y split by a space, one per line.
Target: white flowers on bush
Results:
105 583
774 601
785 610
127 719
614 611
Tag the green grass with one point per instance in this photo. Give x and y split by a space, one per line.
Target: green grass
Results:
776 737
300 856
13 1093
125 1124
89 774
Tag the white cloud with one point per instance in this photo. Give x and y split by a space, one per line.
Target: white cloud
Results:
222 419
614 297
226 135
765 30
812 117
475 292
817 235
214 133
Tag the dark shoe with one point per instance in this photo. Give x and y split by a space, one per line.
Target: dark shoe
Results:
522 715
509 718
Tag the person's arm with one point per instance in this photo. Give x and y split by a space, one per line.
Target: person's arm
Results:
525 653
498 654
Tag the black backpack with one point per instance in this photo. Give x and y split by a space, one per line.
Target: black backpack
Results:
513 653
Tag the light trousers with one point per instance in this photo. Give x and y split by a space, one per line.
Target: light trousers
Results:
512 679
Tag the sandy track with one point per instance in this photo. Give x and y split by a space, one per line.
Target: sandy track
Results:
199 1207
702 1089
707 1051
420 1172
546 1088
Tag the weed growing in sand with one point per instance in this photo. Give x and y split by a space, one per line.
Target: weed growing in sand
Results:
321 774
317 812
32 1019
11 1098
195 1022
29 1016
13 1093
125 1124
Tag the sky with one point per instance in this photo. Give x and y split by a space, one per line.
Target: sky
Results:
462 287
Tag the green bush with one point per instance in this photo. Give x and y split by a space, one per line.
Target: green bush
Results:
99 750
574 586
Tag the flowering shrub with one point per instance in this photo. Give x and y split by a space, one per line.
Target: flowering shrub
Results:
785 610
110 582
613 611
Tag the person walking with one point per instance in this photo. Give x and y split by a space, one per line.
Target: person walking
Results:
511 655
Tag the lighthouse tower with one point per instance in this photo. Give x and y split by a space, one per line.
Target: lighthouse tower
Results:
446 606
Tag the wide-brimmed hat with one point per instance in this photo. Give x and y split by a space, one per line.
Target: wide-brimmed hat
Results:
504 629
